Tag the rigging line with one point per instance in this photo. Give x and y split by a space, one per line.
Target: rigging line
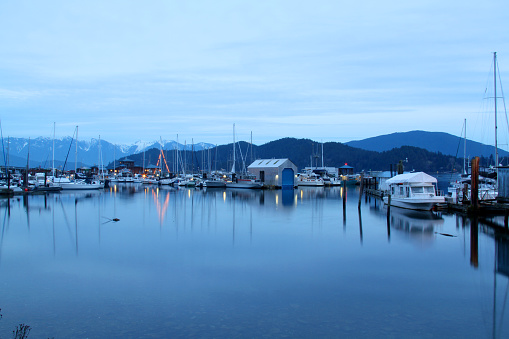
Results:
503 99
70 145
458 149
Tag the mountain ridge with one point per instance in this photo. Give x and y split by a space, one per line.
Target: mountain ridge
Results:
300 151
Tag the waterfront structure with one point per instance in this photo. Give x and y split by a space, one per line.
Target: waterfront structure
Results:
275 172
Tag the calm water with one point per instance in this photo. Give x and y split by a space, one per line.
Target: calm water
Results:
239 263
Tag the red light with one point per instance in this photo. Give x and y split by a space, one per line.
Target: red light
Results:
346 164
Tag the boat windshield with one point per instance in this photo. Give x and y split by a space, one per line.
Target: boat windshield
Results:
423 189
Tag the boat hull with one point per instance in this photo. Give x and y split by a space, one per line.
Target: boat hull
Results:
214 184
245 185
415 204
311 183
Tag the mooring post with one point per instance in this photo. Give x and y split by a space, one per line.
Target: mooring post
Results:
474 184
361 191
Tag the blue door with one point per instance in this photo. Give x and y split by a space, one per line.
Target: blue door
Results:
287 178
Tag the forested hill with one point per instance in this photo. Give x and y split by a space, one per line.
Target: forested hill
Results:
301 151
432 141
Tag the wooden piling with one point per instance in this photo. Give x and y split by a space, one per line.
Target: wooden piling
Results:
361 190
474 184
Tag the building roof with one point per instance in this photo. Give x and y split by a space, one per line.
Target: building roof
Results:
265 163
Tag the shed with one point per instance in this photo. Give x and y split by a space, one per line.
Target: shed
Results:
345 170
275 172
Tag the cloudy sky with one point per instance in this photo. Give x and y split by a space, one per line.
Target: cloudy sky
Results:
326 70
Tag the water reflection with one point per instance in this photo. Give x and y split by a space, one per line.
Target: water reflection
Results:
240 263
418 225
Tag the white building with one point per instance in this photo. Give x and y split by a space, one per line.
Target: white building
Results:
275 172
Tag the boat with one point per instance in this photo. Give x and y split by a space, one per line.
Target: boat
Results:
248 182
487 188
214 183
310 179
415 191
77 184
245 179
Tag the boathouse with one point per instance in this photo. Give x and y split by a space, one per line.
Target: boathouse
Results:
275 172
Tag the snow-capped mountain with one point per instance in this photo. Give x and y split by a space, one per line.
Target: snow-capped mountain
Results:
16 150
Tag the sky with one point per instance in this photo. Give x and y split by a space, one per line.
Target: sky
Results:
325 70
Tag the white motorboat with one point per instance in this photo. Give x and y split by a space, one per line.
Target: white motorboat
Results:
68 184
214 183
310 179
331 181
415 191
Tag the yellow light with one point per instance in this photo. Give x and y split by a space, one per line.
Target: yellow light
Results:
277 198
224 196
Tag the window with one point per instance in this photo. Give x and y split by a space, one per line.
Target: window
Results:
429 189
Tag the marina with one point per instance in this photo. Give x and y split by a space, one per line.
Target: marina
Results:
140 261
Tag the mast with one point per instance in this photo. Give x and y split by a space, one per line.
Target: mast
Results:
251 146
465 150
114 159
177 154
161 155
495 95
53 165
99 156
322 154
25 179
76 156
233 167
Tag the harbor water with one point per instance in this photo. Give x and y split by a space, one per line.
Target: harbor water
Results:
137 261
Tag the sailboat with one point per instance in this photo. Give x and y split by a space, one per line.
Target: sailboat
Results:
245 180
77 184
488 183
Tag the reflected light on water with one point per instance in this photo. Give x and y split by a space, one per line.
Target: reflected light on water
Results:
161 209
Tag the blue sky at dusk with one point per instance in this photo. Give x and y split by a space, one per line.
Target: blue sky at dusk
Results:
324 70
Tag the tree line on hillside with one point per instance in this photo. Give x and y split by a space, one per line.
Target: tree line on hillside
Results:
304 153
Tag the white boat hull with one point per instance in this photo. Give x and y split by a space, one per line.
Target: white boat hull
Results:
314 183
420 204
